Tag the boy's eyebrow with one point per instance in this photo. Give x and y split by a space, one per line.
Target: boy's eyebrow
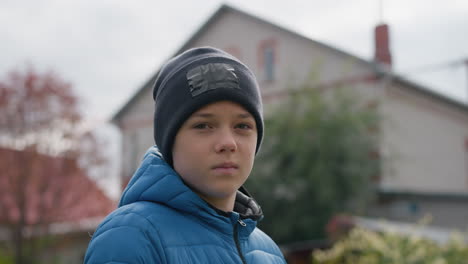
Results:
245 115
203 115
210 115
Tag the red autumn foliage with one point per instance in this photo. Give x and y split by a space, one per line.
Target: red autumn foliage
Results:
44 156
31 102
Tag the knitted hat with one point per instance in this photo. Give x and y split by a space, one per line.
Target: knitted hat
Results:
196 78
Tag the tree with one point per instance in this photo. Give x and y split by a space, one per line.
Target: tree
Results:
44 148
317 159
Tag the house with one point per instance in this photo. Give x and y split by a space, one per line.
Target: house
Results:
424 141
57 206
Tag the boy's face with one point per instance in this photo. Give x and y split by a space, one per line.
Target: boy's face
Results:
214 150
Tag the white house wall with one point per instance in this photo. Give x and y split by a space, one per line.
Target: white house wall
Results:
296 57
425 141
137 132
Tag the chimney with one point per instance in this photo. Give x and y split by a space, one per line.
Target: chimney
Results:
382 46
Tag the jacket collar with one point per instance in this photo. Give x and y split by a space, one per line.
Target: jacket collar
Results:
156 181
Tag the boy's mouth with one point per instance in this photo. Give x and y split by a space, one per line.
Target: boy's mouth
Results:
225 167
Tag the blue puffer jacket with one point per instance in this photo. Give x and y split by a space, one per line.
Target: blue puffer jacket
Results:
161 220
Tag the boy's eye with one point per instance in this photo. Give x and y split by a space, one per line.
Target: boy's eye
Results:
201 126
244 126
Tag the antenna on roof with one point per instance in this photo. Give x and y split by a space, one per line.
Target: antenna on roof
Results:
380 3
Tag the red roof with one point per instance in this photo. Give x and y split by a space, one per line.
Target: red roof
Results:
50 189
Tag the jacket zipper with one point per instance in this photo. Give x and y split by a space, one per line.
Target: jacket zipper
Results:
236 239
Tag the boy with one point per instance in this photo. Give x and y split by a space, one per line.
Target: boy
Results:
186 203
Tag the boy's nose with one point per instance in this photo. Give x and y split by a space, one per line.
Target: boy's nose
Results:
226 142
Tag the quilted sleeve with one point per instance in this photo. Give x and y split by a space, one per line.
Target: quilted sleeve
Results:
130 244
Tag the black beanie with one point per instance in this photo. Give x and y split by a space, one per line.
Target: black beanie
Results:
196 78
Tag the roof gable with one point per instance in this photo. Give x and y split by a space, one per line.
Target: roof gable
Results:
374 67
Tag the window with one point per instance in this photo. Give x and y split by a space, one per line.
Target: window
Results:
267 60
466 162
269 64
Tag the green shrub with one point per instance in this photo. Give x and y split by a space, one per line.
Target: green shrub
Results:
365 247
5 258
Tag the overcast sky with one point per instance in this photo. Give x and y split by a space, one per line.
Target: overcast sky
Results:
107 49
